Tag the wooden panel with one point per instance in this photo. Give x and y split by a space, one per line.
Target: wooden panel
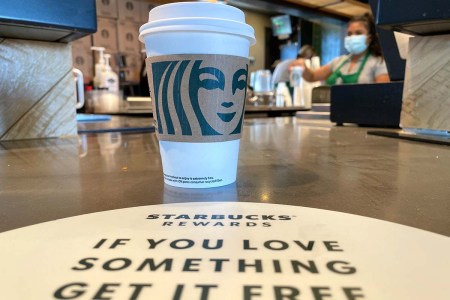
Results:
426 95
37 91
346 8
315 3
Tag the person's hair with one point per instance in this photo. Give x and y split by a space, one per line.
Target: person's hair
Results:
306 51
367 20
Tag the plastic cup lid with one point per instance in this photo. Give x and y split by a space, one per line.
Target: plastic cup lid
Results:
197 16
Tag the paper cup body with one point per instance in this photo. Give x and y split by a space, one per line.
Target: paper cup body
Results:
194 48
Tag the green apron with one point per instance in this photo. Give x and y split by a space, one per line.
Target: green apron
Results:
351 78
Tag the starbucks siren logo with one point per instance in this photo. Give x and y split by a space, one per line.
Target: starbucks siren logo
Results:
200 97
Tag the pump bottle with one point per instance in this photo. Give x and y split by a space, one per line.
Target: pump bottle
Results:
111 80
99 68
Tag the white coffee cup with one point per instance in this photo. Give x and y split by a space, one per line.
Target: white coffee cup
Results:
194 32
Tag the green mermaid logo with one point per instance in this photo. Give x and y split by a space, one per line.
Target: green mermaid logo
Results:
193 97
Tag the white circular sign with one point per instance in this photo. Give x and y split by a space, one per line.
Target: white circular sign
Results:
247 251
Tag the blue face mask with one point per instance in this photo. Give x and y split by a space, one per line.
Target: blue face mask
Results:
355 44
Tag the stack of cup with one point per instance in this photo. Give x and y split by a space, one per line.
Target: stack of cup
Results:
197 65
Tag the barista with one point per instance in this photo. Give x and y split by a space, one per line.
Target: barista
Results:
363 64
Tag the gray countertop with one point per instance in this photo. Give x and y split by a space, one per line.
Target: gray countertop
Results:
282 160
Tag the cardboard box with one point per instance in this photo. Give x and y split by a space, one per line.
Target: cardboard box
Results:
82 57
85 43
83 60
134 63
129 10
106 35
145 9
128 37
107 8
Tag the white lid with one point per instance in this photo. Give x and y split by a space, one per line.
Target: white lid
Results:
197 16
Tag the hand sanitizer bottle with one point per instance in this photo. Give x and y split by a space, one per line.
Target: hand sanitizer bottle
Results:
111 80
99 68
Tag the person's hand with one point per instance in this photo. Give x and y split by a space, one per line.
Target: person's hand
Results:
307 74
300 62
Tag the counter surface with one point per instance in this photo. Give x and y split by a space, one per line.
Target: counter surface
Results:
282 160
